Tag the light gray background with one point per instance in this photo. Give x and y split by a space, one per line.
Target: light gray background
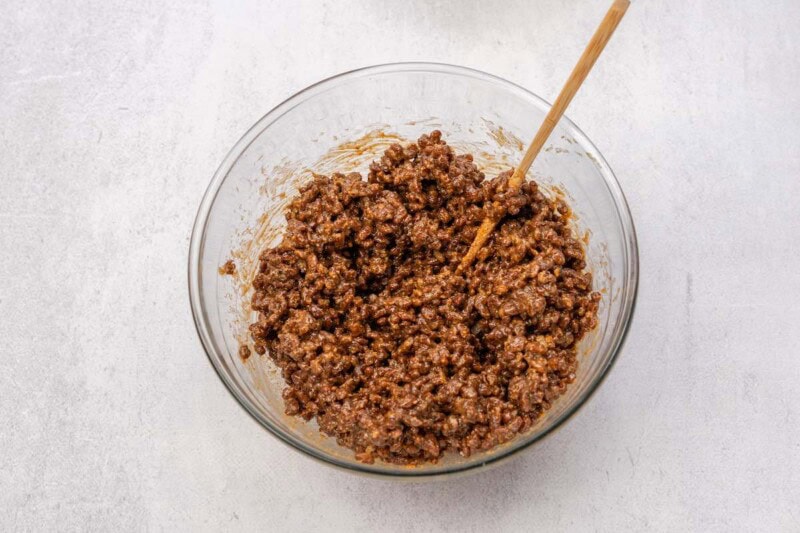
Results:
113 117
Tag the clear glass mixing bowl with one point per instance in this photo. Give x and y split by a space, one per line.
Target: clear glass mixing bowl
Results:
345 122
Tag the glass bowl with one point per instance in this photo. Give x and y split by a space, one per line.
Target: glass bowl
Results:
343 123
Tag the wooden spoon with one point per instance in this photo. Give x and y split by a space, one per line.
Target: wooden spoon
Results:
590 54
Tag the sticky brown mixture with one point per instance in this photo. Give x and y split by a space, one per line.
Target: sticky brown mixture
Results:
228 269
397 356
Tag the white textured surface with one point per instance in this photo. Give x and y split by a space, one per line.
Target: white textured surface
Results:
113 116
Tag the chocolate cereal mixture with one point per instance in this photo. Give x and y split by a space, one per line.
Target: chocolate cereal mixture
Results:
228 268
397 355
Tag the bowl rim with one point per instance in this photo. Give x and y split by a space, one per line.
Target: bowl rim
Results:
629 288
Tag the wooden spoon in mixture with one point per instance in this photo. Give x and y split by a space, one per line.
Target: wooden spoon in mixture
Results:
593 49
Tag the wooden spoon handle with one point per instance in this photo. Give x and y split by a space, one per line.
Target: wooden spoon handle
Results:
577 76
587 60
